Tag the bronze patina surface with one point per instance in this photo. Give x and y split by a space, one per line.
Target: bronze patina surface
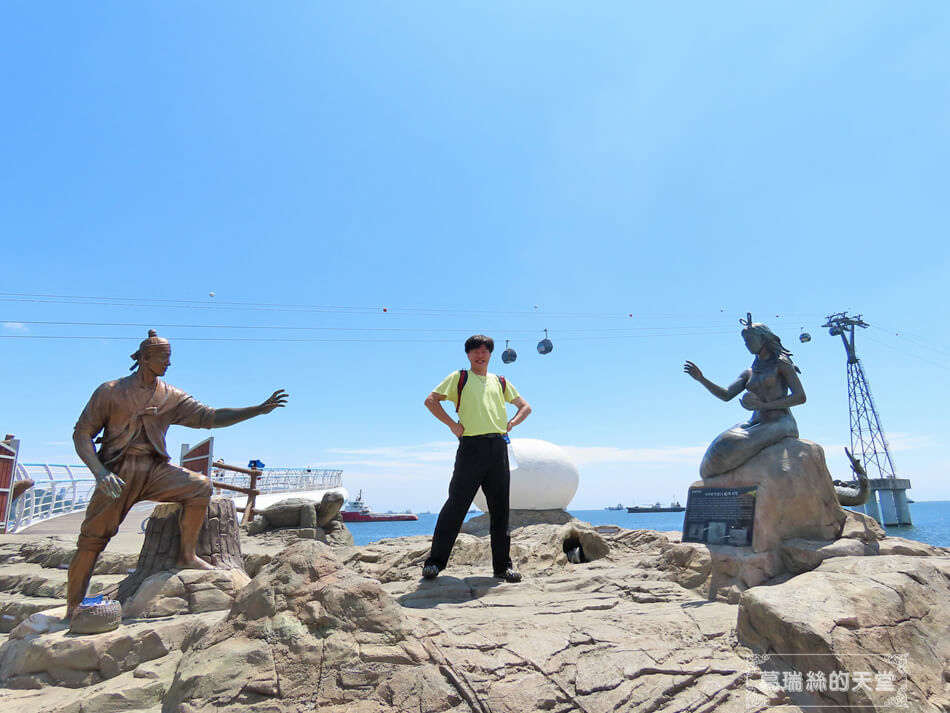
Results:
771 388
132 464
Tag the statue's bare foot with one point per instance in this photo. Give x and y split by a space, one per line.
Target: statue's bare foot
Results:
193 562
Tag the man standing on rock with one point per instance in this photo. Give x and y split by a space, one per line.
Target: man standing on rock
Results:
482 456
132 464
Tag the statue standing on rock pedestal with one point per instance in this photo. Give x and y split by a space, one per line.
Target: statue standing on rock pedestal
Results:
132 463
772 387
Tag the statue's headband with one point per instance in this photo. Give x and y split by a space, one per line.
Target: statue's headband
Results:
153 341
747 322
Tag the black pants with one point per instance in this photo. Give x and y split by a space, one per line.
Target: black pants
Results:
479 462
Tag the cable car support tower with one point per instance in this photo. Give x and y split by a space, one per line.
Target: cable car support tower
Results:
867 436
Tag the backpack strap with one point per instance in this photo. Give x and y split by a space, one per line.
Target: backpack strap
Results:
463 377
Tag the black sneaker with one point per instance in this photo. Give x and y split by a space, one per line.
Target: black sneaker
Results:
510 575
430 571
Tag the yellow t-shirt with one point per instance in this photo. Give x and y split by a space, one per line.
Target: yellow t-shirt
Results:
483 405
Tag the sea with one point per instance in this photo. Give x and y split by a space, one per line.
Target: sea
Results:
931 523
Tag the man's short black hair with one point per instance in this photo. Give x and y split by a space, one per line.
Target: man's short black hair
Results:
479 340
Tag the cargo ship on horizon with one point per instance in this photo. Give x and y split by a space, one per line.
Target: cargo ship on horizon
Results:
657 507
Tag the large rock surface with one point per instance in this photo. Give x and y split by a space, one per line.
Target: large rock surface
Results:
306 630
855 614
79 661
188 591
795 495
798 522
630 629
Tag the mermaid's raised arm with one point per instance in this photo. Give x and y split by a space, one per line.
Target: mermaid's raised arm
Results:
725 394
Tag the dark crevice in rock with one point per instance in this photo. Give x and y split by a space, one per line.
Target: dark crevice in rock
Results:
668 694
574 551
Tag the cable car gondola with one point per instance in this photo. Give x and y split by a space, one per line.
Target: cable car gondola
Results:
509 355
804 336
545 346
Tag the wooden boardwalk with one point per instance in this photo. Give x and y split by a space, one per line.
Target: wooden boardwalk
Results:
69 524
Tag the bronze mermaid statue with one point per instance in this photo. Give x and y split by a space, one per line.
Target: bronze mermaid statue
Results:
771 388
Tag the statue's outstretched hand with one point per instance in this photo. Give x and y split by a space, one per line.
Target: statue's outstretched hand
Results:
110 484
693 370
278 399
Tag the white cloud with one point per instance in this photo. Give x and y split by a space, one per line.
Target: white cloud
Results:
664 455
425 453
15 326
442 452
413 475
898 442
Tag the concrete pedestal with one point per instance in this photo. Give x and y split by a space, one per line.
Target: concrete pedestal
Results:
888 502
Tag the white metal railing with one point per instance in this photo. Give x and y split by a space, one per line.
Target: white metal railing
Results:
63 489
280 480
57 490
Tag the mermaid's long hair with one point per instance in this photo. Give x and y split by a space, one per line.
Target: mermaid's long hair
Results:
768 337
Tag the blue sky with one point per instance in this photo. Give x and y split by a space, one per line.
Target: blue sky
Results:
472 168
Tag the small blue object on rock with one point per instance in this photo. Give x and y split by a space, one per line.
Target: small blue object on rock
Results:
256 464
96 615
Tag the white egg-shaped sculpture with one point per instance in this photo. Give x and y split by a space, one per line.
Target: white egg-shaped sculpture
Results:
543 477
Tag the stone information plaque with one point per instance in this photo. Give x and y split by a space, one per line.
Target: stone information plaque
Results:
720 516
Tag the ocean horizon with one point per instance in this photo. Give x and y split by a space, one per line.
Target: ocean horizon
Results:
931 523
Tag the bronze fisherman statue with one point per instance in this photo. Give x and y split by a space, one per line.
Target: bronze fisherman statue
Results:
132 463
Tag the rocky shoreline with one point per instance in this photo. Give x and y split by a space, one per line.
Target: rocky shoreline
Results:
629 628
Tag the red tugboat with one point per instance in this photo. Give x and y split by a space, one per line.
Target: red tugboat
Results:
357 511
